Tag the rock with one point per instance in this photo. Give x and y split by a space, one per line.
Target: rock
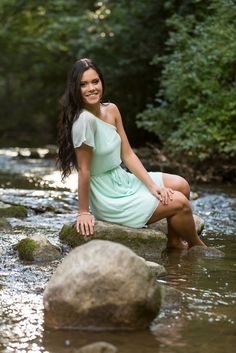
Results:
156 269
194 195
200 251
37 249
144 242
162 225
171 302
4 224
13 211
98 347
101 285
171 298
199 224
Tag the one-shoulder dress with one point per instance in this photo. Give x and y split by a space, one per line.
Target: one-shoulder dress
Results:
116 195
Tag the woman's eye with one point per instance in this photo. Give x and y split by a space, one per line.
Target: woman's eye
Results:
95 81
82 84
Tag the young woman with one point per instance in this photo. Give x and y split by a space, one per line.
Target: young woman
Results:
92 140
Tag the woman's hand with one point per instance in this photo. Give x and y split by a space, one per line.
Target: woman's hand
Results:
162 193
85 224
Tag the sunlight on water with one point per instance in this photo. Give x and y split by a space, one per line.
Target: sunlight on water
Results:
22 320
54 179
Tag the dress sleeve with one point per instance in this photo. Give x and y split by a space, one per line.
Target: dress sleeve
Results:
83 131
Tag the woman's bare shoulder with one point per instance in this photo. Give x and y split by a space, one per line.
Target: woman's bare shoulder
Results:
112 109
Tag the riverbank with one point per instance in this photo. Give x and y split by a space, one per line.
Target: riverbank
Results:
217 171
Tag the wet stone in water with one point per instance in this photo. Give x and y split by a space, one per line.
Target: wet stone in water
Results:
200 251
98 347
5 225
93 290
37 249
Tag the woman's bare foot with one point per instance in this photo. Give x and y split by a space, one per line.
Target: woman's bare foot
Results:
177 244
199 242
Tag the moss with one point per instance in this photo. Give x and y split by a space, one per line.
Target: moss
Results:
26 248
13 211
68 235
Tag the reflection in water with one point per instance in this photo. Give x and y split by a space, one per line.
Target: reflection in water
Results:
204 321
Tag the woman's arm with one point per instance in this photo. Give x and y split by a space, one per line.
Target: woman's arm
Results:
134 164
85 221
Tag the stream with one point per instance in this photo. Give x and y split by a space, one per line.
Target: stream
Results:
205 320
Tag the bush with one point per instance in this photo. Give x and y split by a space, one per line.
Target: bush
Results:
194 111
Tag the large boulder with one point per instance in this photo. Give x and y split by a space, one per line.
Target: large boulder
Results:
145 241
101 285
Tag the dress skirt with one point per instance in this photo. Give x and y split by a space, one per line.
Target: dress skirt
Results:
118 196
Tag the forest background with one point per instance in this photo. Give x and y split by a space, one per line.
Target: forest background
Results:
169 65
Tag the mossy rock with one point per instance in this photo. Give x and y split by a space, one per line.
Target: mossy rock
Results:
13 211
26 248
4 224
37 249
145 242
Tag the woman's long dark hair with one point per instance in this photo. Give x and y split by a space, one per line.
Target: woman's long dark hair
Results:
71 105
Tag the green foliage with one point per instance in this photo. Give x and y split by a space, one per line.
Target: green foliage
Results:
195 110
41 39
184 50
34 47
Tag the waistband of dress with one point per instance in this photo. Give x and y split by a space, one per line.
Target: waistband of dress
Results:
107 172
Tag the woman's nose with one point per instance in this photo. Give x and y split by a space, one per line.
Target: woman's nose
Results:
91 87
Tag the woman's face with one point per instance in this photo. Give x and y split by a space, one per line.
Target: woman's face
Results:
91 87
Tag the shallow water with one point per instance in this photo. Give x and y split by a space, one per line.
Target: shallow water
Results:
206 319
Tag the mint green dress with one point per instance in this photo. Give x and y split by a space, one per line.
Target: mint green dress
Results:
116 195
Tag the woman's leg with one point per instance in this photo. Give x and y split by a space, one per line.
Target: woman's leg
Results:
179 215
177 183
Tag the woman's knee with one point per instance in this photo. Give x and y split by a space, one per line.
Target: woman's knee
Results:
178 204
184 186
178 183
180 201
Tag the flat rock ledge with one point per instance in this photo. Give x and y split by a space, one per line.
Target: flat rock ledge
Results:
37 248
101 285
145 241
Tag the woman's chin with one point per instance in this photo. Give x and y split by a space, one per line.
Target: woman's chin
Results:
90 102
